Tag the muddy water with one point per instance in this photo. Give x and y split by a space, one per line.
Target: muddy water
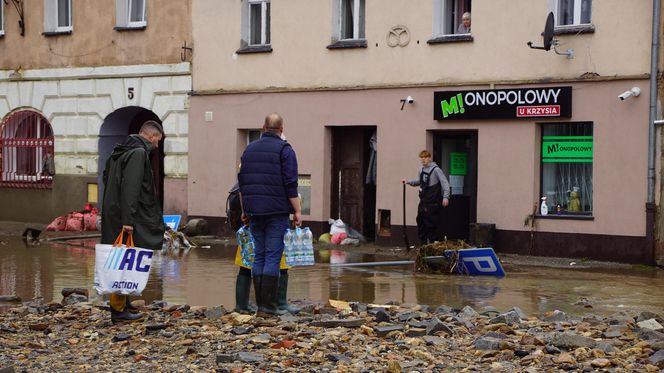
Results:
207 277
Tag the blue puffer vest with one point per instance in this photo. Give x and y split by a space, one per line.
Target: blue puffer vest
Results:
261 180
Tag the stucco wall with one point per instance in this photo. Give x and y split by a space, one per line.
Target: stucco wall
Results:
301 30
93 41
508 156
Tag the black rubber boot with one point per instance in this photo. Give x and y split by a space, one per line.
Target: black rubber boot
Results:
125 316
282 301
269 293
257 280
242 288
130 307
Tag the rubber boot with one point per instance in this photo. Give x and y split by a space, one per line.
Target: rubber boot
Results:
282 301
119 312
130 307
269 294
242 288
257 290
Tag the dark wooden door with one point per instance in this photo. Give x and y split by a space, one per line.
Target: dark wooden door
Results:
348 175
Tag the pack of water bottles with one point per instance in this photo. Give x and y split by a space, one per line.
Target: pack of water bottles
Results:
246 241
299 247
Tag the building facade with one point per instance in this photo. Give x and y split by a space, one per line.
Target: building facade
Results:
363 86
75 79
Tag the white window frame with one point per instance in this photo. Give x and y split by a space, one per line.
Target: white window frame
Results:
51 13
440 18
554 6
123 14
264 22
338 16
2 17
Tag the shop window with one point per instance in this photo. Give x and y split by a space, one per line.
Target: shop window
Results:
26 151
130 14
57 16
567 168
348 28
452 17
571 12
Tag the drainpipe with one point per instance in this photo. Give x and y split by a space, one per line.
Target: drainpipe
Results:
650 203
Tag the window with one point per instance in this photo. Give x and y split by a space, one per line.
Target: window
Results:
130 14
26 151
351 19
2 18
259 22
57 16
452 17
571 12
567 168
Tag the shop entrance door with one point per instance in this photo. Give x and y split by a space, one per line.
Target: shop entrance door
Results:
353 194
456 154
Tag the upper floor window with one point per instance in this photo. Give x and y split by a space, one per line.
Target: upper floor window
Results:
349 19
259 22
452 17
26 151
130 14
2 18
57 16
571 12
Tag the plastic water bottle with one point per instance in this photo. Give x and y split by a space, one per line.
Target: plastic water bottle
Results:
246 241
308 247
299 245
288 246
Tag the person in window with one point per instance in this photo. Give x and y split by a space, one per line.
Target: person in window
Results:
464 27
268 189
130 202
434 195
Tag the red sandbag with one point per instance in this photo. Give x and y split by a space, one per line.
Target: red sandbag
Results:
74 222
58 224
90 222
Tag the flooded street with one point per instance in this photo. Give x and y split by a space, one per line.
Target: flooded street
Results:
206 277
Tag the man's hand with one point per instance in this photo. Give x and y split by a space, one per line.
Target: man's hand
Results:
297 218
128 228
244 218
446 202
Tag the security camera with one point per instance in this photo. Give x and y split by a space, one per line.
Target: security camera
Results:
635 92
410 100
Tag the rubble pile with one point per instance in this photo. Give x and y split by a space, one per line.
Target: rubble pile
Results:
335 336
437 249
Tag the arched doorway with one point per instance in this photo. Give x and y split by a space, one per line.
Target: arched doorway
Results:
116 127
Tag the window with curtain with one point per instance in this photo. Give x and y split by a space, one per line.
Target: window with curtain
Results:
351 19
259 22
64 14
2 19
571 12
136 11
449 17
567 168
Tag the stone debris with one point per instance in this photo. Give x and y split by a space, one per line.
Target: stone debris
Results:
329 337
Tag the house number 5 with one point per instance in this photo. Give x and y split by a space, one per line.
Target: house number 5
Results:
130 93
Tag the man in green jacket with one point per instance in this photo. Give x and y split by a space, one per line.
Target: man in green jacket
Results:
130 202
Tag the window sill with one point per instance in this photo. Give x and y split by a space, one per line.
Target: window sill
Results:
451 39
565 217
129 28
348 44
266 48
575 29
56 33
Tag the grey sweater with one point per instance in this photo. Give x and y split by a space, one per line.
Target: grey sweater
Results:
436 177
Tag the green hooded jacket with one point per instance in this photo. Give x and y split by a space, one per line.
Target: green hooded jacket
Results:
129 195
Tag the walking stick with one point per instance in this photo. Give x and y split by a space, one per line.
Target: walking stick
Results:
405 234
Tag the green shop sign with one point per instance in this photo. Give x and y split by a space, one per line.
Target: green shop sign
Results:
557 149
458 163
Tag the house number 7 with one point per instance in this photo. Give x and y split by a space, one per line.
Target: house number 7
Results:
130 93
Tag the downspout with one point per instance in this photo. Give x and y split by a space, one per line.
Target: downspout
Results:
650 203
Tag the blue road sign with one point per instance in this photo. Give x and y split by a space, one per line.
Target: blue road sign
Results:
173 221
481 262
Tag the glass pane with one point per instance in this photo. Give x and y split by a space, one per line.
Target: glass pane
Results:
63 13
568 185
585 11
267 24
255 23
361 33
346 19
448 17
565 14
2 20
136 11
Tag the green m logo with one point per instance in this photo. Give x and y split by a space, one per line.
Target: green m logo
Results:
454 106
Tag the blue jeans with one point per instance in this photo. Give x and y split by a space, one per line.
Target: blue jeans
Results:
268 232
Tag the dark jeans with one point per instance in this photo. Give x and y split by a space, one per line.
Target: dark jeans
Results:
428 220
268 234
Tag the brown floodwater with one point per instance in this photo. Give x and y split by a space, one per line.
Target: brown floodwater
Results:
206 276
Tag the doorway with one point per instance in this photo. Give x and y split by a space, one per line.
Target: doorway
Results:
455 152
353 178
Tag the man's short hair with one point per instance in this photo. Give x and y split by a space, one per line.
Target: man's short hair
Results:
425 154
273 122
152 127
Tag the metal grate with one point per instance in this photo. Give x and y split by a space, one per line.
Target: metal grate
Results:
26 151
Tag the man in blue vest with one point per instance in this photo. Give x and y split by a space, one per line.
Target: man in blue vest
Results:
268 186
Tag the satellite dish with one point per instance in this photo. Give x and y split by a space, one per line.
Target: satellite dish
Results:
548 32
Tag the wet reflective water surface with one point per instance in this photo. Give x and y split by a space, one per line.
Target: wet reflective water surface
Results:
207 277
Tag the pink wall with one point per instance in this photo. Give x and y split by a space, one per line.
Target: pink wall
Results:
508 151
